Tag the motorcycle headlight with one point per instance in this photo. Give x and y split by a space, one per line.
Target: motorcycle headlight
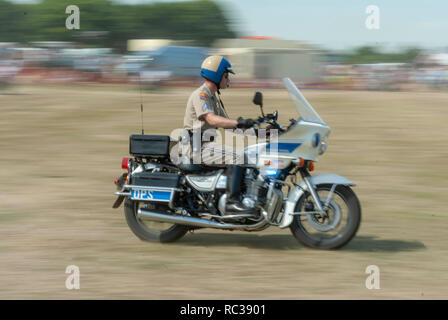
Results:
323 147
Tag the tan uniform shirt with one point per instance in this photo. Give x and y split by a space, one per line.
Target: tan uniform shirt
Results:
201 102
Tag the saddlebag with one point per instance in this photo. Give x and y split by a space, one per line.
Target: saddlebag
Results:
156 179
157 186
141 145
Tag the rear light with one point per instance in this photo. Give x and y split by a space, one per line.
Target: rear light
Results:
125 163
311 166
116 180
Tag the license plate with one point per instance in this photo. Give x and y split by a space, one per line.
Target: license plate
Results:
151 195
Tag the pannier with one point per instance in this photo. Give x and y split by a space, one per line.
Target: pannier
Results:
154 186
156 179
141 145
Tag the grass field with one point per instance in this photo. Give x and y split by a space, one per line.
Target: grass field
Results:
61 149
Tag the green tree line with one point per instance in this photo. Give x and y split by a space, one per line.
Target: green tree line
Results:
369 54
200 20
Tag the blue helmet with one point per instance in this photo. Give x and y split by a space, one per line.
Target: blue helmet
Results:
214 67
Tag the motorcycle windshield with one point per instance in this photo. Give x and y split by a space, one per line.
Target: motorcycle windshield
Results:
303 107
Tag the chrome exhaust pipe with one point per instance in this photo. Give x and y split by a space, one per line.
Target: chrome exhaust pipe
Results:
196 222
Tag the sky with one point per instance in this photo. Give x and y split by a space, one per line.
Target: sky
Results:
339 24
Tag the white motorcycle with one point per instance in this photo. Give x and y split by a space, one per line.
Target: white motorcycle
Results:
163 201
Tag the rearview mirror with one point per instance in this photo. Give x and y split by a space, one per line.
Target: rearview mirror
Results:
258 99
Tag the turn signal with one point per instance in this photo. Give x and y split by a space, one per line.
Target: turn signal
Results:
125 163
301 162
311 166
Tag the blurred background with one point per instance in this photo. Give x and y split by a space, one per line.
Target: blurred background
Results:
70 98
322 45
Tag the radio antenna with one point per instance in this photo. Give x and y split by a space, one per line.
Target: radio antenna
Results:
141 99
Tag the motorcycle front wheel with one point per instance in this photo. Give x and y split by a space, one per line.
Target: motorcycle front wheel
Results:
148 230
335 230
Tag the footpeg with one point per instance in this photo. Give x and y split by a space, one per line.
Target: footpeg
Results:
238 208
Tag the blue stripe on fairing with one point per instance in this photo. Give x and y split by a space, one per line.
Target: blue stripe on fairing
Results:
283 146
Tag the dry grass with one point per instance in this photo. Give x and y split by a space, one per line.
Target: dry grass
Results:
61 150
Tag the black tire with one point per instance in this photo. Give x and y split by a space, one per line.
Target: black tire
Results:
300 232
142 231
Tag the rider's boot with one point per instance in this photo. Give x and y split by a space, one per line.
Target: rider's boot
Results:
234 181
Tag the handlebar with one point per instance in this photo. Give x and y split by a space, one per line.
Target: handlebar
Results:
270 119
269 116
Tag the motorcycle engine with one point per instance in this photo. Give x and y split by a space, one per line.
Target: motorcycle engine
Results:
255 191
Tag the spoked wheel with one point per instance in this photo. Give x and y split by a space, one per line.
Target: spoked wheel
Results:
149 230
335 229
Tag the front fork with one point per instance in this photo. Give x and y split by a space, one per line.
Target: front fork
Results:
321 207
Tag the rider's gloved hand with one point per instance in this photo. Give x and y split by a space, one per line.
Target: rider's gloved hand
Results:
245 123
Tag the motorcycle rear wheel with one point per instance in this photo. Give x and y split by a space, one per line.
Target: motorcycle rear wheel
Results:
151 231
344 219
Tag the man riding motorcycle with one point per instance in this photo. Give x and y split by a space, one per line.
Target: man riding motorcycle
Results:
206 111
